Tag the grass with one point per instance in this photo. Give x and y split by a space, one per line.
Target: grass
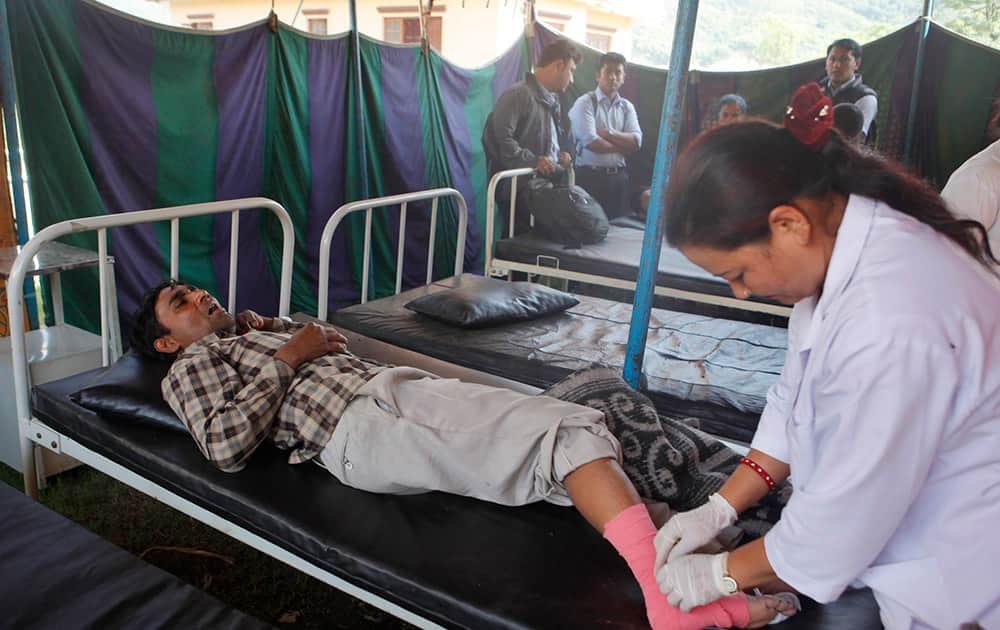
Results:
234 573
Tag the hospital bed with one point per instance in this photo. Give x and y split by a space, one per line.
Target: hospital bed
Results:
715 370
613 263
433 560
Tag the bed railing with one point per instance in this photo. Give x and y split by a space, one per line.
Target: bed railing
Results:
101 224
393 200
491 197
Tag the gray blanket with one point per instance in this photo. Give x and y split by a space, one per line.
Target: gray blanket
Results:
667 459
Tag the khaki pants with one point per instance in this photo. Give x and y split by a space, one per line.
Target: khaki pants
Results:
408 432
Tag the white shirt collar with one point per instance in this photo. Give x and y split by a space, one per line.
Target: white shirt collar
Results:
601 96
851 237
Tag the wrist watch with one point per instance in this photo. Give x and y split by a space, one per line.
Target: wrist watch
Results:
730 587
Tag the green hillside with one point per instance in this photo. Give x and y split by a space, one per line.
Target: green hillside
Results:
748 34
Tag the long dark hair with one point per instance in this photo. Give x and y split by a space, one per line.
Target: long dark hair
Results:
726 183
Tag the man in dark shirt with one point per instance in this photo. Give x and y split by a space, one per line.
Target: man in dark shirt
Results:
526 128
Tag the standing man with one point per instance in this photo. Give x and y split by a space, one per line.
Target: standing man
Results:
843 83
525 129
606 129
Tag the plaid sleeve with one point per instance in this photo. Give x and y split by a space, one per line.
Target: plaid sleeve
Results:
227 417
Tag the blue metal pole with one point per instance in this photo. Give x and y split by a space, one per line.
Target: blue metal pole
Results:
918 69
14 154
666 147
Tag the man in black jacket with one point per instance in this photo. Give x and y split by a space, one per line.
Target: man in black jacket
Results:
843 83
526 128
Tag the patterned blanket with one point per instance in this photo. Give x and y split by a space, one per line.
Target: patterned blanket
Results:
667 459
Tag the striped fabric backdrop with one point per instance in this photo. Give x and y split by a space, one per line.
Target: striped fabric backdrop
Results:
122 115
118 115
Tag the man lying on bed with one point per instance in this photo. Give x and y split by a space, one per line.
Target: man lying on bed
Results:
237 381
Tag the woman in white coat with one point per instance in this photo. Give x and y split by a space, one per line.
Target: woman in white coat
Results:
886 417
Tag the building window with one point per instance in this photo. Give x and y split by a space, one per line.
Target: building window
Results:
317 26
600 41
555 21
200 21
406 30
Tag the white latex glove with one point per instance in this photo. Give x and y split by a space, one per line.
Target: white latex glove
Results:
693 580
692 530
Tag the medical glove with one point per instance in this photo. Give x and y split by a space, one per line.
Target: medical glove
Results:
693 580
691 530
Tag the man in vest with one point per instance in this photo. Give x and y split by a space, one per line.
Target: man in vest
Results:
606 129
843 83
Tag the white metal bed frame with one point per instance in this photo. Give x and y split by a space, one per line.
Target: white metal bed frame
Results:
495 266
370 347
35 433
402 200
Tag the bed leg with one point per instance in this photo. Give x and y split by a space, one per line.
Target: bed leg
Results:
28 454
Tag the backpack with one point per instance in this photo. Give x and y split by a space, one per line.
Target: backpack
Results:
567 214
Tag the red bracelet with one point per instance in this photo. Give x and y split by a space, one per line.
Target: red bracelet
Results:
754 466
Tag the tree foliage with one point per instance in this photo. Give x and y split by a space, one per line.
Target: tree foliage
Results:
976 19
747 34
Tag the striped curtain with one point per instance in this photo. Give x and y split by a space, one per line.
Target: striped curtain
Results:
121 115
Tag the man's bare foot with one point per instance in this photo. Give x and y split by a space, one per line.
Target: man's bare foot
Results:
764 608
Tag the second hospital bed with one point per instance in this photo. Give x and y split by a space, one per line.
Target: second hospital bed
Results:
715 370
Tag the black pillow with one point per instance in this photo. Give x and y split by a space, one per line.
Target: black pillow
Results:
129 390
492 303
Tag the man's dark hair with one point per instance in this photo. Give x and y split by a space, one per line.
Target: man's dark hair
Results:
852 46
559 50
146 328
848 119
611 58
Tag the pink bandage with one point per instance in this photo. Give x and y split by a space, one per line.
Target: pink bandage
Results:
631 533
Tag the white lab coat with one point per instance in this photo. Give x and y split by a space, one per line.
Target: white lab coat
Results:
888 413
973 192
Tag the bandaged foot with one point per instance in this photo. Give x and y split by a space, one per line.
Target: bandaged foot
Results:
771 609
631 533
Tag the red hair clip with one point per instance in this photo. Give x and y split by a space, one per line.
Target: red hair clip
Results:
809 116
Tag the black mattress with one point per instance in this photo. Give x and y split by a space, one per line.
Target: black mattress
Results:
695 366
456 561
56 574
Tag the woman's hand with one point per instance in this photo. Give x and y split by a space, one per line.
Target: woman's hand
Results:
694 580
691 530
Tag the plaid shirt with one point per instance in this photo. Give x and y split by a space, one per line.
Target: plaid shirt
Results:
232 394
